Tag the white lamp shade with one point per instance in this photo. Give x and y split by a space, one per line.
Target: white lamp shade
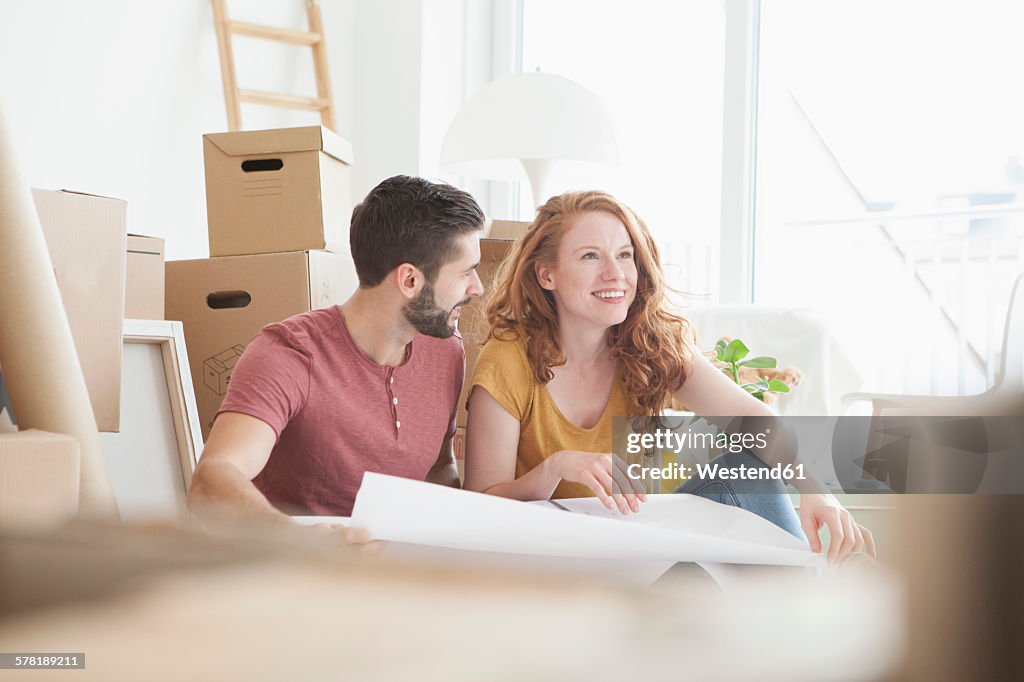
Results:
528 116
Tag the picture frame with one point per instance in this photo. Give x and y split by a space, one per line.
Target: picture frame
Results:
153 457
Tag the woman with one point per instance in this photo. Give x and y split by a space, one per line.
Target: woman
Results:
580 331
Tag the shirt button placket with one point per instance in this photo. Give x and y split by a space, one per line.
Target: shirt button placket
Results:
389 386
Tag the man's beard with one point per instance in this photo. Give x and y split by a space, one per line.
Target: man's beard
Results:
427 317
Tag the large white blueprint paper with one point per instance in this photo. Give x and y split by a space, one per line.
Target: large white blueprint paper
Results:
682 527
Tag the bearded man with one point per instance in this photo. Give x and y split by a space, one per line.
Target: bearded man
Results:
370 385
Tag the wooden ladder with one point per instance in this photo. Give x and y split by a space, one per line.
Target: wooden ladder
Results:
313 38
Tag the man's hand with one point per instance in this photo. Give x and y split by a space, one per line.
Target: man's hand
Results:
333 534
845 534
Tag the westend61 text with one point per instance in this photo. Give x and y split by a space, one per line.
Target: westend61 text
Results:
778 472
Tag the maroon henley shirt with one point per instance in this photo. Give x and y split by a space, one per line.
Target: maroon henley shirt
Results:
338 414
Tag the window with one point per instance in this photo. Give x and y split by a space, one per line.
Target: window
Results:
890 180
659 67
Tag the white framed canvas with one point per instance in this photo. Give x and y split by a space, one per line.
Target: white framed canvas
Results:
152 458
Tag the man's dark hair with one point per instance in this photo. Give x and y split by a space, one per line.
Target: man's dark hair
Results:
410 220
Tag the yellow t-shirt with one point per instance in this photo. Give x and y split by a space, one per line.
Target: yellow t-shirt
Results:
504 370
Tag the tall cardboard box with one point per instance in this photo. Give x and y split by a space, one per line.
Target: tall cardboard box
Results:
39 473
86 236
224 302
269 191
473 322
504 229
144 278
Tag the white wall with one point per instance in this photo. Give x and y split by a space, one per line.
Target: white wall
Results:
417 61
466 44
441 78
113 96
387 47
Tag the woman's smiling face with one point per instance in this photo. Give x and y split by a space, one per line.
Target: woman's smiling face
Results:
594 277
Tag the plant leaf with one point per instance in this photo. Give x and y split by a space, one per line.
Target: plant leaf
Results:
735 351
762 362
777 386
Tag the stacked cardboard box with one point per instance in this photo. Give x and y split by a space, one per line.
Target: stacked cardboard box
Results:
278 208
494 247
144 278
86 237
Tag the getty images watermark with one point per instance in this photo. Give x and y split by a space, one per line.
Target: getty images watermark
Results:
678 441
874 455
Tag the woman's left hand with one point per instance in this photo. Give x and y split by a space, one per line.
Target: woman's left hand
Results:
845 534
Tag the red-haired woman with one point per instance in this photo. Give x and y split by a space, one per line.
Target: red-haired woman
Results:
580 331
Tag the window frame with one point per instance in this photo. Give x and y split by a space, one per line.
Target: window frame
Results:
734 275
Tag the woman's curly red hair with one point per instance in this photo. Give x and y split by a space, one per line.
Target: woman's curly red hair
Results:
653 344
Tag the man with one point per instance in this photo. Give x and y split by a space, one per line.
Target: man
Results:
370 385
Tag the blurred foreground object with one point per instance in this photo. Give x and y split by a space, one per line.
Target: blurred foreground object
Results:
41 368
962 565
169 603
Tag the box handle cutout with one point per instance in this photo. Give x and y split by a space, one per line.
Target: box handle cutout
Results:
257 165
228 299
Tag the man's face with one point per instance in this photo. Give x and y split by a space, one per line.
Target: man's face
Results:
436 308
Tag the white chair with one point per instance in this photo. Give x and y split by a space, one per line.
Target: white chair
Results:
938 458
1005 397
797 337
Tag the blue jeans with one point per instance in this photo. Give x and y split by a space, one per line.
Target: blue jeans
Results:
766 498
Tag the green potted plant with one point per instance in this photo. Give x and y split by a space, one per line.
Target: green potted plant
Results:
732 354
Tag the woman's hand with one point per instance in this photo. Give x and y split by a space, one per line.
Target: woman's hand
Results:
602 472
845 534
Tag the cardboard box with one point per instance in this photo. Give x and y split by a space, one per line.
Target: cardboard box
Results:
86 236
269 191
459 449
473 323
144 278
39 474
504 229
224 302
